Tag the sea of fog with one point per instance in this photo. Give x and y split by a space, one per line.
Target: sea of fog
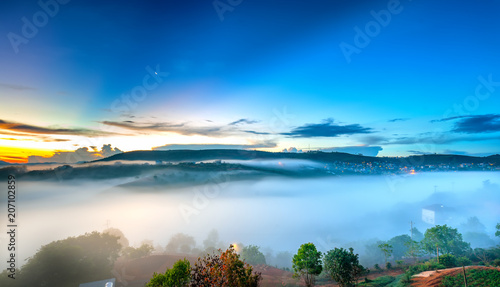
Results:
277 213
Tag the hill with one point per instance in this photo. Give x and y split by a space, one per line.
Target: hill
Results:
325 157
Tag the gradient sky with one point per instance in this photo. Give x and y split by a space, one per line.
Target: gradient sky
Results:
388 77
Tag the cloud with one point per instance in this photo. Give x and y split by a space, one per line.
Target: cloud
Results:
243 121
30 129
214 146
81 154
364 150
16 87
327 129
256 133
182 129
426 138
478 124
292 150
398 120
473 124
417 152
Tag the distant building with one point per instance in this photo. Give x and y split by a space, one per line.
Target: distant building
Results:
437 214
103 283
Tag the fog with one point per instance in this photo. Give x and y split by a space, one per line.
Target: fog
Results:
276 213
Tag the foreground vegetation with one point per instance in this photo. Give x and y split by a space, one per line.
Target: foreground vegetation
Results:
91 257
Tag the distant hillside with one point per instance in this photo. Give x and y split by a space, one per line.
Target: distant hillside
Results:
228 154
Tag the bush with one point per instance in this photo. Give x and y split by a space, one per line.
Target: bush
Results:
377 268
388 265
448 260
178 276
380 281
496 262
225 269
463 261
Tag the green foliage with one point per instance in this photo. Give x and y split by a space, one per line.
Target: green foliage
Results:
343 266
400 245
448 239
118 233
475 277
496 262
386 249
426 266
463 261
378 282
415 249
224 270
142 251
388 265
71 261
377 267
178 276
448 260
497 233
252 255
307 263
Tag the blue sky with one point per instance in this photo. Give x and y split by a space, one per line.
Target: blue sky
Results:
417 76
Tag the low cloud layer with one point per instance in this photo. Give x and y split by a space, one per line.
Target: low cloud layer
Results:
364 150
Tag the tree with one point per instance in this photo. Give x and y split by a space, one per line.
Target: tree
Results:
343 266
71 261
416 234
497 233
473 225
415 249
399 245
307 263
386 249
251 255
118 233
224 270
445 240
142 251
180 243
178 276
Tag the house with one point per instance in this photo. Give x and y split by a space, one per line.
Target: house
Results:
437 214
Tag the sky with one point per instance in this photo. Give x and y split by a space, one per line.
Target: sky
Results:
82 80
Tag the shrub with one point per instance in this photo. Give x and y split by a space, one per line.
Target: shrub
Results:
463 261
388 265
448 260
